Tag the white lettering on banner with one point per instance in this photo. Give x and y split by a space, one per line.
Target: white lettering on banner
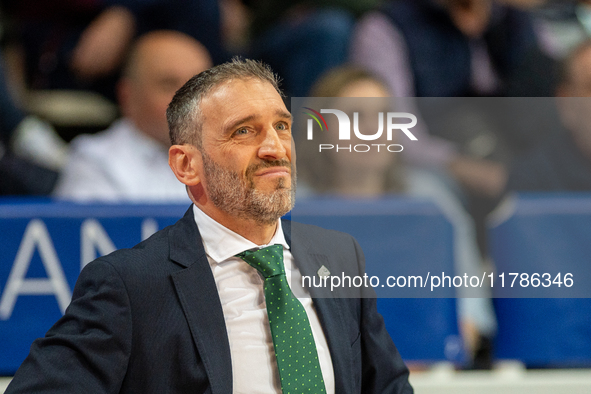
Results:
93 238
36 236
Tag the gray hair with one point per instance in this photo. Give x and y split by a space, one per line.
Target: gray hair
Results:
184 113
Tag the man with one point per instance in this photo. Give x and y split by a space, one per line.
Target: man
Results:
181 312
129 161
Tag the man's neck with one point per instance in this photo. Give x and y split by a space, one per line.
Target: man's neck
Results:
254 231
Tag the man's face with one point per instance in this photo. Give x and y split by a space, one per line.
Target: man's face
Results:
246 149
164 64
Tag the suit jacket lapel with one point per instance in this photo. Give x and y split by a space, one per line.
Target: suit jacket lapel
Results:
199 298
330 310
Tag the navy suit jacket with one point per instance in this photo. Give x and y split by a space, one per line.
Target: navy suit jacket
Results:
149 320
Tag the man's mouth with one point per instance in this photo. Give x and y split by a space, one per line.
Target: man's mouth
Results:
273 172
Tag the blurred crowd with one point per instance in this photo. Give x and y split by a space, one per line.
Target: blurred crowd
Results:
529 61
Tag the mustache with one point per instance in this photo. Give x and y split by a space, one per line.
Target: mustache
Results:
267 164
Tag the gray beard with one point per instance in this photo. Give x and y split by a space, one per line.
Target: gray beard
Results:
238 196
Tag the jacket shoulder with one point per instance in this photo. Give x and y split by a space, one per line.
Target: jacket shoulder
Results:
312 232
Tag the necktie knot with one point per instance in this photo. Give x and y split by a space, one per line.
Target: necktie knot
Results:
268 261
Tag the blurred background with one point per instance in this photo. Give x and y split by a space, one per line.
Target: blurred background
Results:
498 179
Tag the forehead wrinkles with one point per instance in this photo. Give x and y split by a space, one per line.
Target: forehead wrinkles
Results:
237 101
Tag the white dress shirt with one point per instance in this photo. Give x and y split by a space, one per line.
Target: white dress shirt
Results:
120 164
240 288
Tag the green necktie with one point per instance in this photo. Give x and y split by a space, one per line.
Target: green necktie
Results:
295 350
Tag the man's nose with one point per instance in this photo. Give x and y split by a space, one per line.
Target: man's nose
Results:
272 146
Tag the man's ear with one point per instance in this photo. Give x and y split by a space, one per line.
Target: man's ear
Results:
186 163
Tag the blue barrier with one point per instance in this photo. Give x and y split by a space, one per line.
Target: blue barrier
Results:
544 233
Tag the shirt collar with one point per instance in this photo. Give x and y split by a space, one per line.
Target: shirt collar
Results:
221 243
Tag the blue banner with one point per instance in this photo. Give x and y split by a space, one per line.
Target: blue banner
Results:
44 246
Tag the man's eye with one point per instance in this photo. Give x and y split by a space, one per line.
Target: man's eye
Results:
281 126
241 131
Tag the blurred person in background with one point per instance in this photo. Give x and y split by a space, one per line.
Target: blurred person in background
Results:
373 174
443 48
31 153
563 161
301 39
457 48
80 44
129 161
446 48
562 26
